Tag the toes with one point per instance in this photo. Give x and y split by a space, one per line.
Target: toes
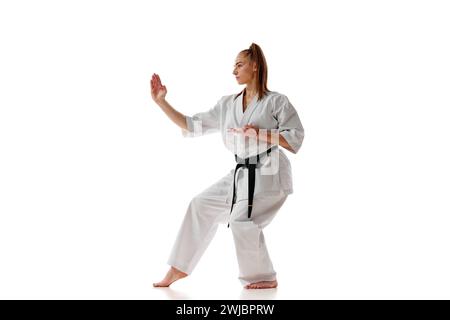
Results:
261 285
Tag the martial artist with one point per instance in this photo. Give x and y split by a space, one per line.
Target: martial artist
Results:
249 196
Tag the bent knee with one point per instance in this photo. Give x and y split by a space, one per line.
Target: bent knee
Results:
238 224
203 207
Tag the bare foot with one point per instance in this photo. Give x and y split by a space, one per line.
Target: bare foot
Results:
172 275
262 285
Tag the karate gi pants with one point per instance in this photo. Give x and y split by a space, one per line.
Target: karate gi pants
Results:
212 207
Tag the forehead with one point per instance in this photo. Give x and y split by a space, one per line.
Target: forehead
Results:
241 58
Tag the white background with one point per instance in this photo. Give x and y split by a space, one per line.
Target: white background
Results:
95 179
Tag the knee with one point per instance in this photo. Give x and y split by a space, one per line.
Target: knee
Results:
245 232
193 205
196 202
242 225
198 208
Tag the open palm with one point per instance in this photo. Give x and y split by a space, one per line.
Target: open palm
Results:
158 91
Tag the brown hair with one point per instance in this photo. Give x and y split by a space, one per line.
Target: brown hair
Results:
255 54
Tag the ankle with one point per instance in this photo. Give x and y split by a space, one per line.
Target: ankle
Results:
178 271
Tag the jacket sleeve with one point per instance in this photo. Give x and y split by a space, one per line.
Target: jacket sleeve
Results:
289 124
205 122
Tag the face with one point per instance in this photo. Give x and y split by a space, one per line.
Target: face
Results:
244 70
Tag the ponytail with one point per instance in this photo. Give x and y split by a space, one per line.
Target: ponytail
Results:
255 54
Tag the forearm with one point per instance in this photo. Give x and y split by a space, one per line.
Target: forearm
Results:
272 137
178 118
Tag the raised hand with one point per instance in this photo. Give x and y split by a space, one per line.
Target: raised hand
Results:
157 90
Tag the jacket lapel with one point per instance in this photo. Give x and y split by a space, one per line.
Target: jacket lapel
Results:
245 116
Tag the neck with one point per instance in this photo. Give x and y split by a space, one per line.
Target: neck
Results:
250 92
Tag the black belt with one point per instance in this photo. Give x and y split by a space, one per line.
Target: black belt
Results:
249 163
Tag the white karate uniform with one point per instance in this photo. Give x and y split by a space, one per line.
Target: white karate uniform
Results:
273 183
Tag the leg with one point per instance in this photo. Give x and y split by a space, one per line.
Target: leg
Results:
204 213
255 267
197 230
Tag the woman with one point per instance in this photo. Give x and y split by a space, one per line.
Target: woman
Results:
249 196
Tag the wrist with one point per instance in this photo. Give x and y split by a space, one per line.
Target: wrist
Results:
160 101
